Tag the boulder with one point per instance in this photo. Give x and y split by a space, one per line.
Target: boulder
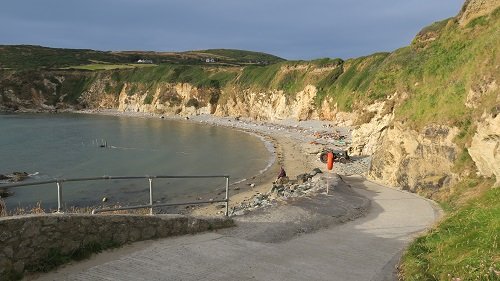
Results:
5 193
302 178
315 171
277 188
3 211
283 180
257 201
18 176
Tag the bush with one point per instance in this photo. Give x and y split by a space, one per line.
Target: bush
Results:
193 102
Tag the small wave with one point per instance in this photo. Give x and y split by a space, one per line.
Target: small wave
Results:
124 148
132 148
237 182
270 148
34 174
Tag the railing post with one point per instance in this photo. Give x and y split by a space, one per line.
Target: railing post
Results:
151 195
59 196
227 196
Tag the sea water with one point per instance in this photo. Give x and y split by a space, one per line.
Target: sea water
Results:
58 146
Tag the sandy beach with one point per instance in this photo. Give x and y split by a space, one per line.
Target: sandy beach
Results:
288 143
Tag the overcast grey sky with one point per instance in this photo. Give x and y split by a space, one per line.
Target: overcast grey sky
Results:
293 29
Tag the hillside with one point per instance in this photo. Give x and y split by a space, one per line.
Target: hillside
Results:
34 57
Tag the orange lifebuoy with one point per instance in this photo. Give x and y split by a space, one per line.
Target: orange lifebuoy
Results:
329 164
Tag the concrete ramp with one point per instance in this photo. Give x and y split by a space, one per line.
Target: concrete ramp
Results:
366 248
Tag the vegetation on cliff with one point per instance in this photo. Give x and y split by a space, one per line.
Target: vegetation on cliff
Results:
464 246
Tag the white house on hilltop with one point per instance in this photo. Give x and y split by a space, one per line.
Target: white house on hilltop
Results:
144 61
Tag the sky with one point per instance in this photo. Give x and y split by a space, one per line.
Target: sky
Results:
292 29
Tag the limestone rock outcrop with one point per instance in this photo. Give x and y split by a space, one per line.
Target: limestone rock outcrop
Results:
367 137
271 105
168 98
485 147
476 8
415 160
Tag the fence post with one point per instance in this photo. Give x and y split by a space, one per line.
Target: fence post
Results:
227 196
59 196
151 195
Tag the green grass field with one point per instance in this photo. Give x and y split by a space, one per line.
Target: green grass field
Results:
105 66
22 57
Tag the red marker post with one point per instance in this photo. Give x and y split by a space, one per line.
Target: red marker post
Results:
329 166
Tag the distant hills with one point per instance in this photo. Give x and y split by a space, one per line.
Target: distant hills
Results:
30 57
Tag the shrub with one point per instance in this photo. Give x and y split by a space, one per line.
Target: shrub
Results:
193 102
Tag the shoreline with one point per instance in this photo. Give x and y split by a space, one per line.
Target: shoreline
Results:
239 191
293 144
269 143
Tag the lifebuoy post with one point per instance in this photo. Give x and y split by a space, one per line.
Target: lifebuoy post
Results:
329 166
329 163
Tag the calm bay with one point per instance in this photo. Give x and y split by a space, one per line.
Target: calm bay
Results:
50 146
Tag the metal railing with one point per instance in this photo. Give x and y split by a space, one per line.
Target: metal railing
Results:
151 205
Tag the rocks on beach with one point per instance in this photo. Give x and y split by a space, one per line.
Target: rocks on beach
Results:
3 209
5 193
15 176
304 184
356 166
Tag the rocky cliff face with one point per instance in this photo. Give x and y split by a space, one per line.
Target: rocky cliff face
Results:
485 147
272 105
169 99
367 137
415 160
405 158
476 8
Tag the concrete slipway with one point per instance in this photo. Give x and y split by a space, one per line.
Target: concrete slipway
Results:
357 233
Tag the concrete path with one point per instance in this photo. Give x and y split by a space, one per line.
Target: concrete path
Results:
364 249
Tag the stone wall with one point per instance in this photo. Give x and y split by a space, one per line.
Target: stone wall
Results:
27 240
